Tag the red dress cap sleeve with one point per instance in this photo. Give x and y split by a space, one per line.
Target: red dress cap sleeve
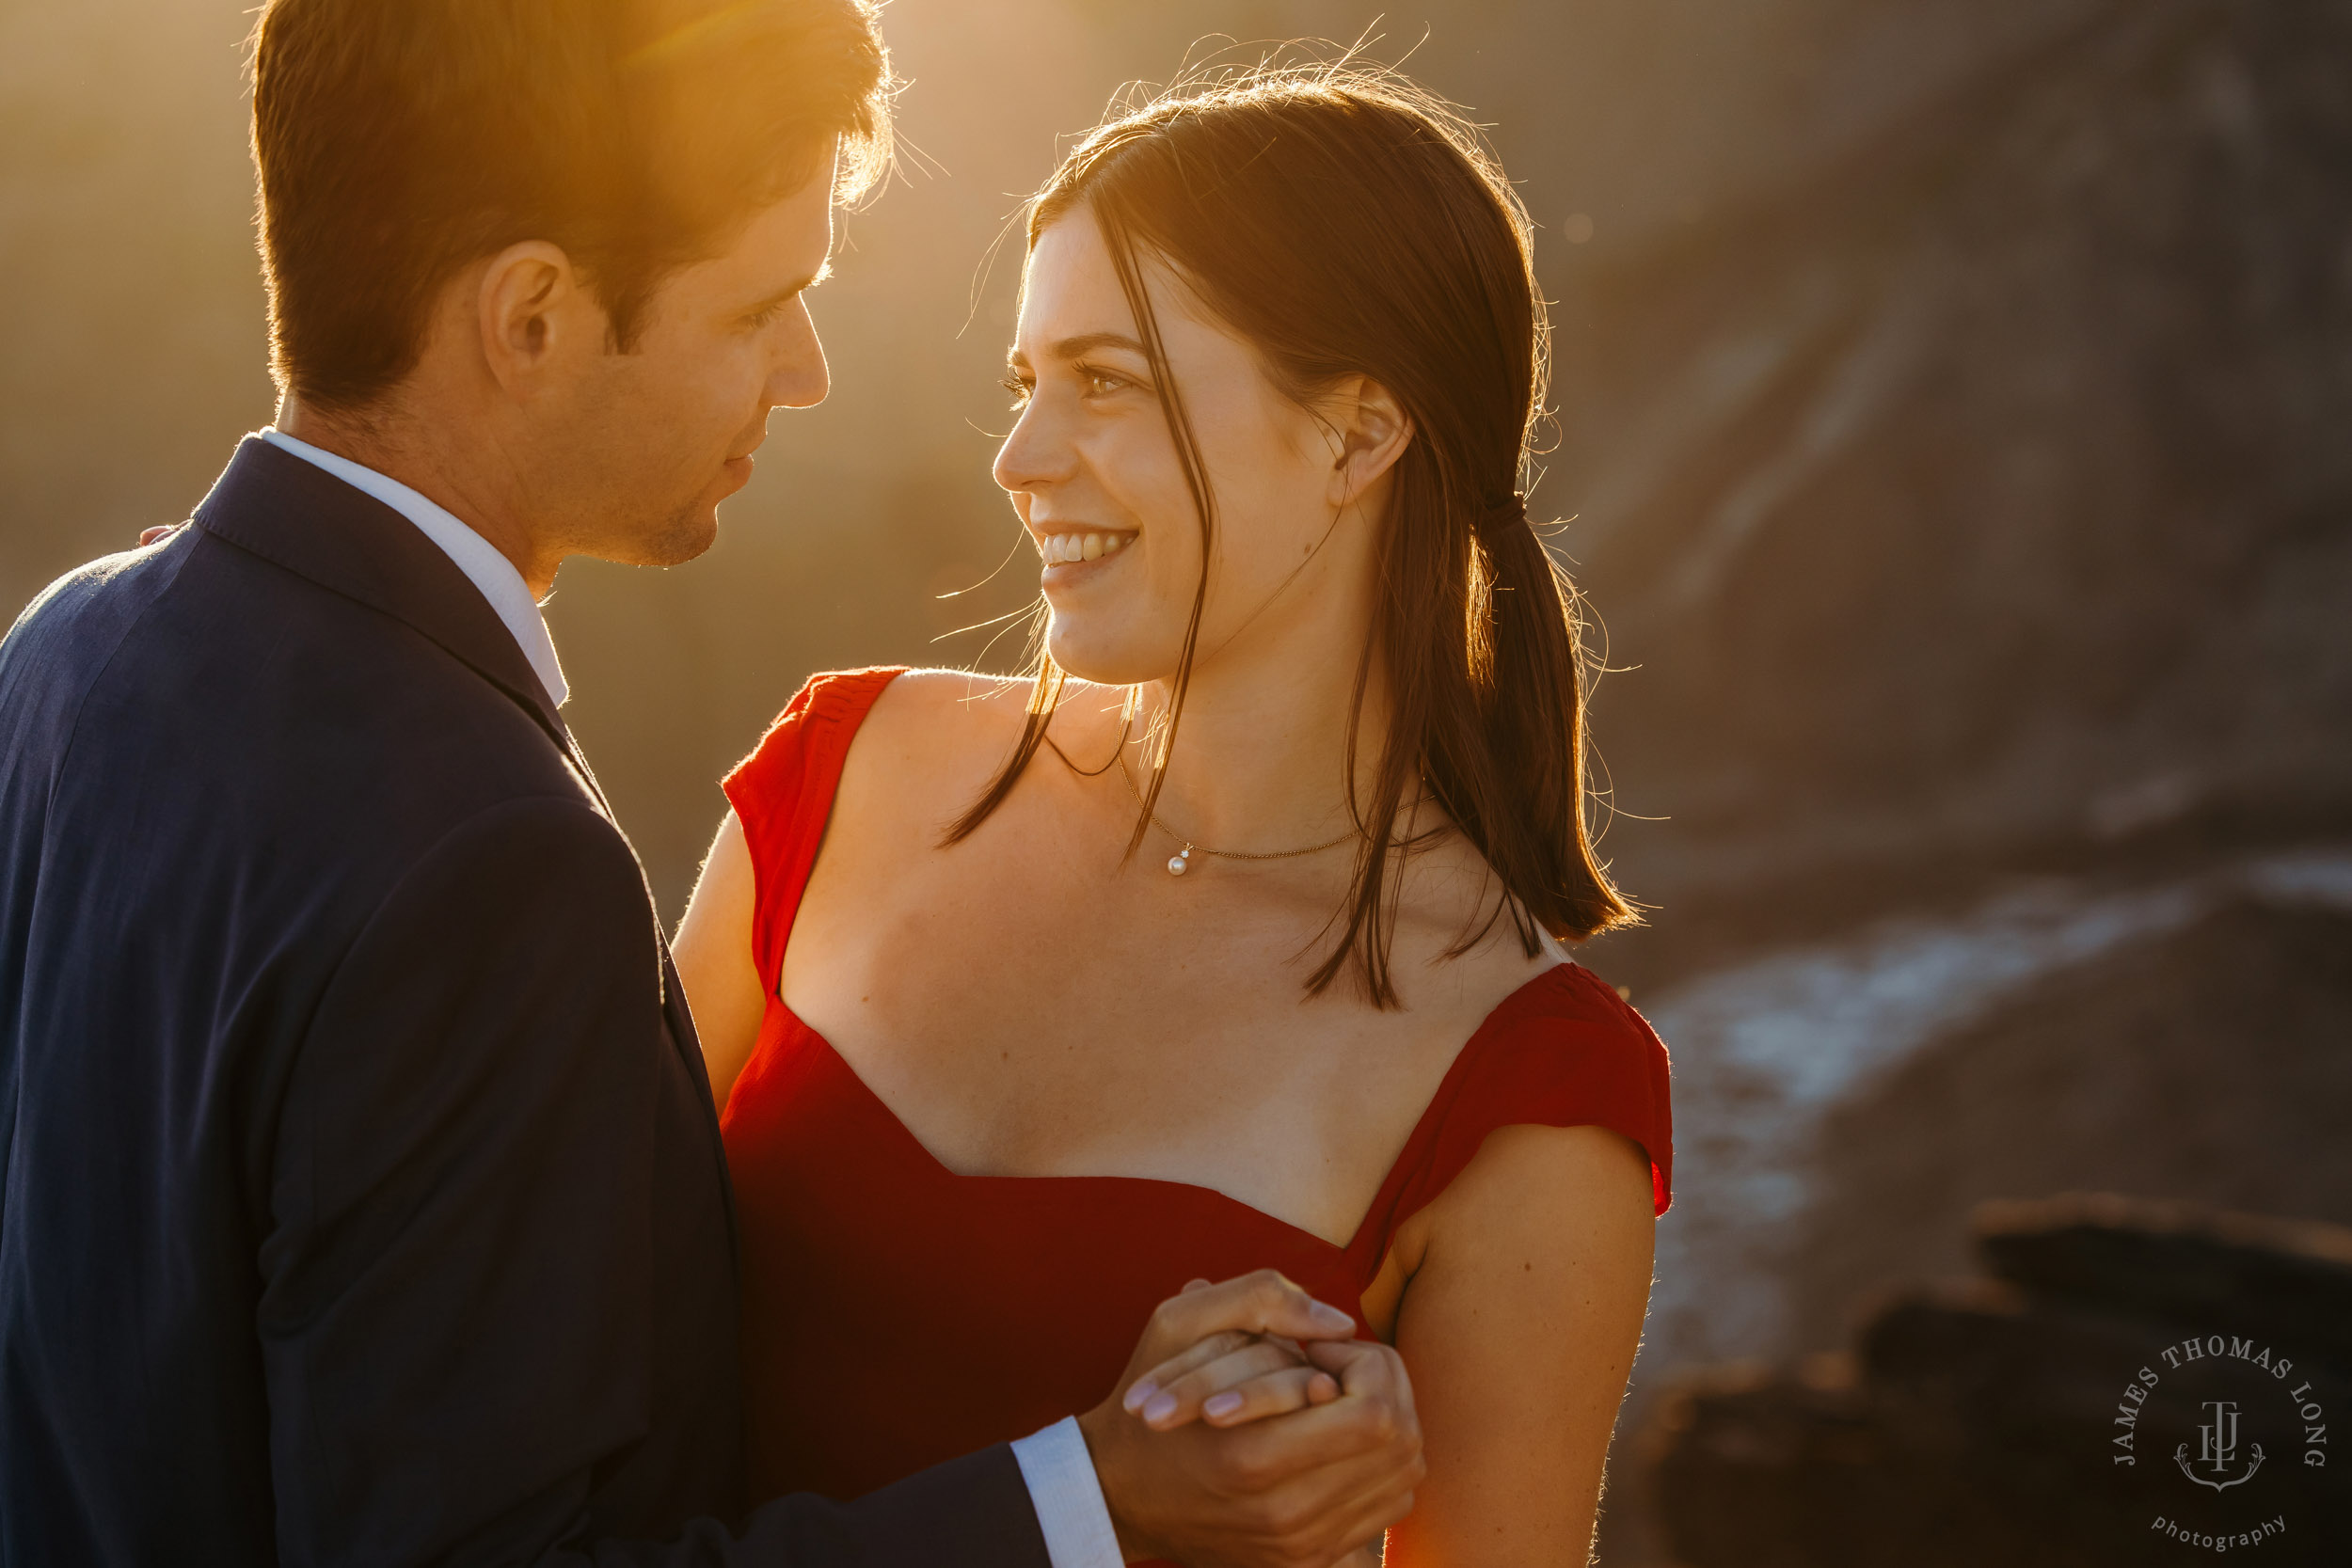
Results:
1565 1051
782 795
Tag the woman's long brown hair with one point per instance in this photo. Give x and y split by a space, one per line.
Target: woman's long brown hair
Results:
1345 222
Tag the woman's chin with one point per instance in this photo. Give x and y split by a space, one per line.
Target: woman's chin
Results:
1091 660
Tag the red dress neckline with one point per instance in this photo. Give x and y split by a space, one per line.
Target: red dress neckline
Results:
1365 1227
897 1313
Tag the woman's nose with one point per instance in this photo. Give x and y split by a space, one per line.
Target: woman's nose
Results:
1035 454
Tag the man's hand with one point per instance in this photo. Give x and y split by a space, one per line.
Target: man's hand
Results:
1313 1462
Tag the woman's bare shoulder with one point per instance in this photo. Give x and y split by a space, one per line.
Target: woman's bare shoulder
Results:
955 706
939 736
943 704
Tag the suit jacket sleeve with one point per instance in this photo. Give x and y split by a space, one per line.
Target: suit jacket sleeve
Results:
455 1314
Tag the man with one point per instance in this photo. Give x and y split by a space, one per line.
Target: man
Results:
360 1195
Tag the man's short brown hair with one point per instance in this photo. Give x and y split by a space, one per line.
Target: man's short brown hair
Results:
397 140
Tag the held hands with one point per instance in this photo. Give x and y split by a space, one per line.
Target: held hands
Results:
1251 1429
1234 1377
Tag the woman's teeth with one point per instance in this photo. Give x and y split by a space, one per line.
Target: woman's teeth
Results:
1058 548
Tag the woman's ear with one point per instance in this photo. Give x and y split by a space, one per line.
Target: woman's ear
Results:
1371 431
528 309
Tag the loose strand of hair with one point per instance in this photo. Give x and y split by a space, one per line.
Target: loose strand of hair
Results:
1045 685
1118 239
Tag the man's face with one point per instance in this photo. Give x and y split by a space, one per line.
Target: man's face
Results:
635 451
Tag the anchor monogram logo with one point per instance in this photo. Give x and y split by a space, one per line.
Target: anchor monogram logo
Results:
2217 1447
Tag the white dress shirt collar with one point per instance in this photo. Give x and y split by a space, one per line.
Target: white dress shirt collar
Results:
481 561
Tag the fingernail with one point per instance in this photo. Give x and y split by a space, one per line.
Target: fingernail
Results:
1328 1316
1143 1390
1160 1407
1222 1404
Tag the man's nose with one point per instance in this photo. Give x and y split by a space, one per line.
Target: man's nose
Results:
801 378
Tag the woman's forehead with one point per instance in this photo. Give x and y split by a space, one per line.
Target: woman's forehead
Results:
1070 289
1070 295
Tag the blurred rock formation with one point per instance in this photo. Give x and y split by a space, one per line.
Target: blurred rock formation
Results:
1985 498
2213 1063
1978 1422
1968 515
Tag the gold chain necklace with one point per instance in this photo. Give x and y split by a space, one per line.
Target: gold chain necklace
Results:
1180 861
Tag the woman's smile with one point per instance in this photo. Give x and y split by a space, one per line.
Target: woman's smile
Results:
1071 551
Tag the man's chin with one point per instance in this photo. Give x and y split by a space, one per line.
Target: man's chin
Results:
682 538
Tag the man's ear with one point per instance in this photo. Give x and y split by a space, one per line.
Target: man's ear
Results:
528 309
1371 431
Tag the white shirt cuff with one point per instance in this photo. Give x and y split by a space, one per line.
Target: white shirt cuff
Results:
1068 1497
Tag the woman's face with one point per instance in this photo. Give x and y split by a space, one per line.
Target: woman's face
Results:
1093 471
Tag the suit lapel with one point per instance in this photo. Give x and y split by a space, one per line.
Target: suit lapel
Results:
300 517
297 515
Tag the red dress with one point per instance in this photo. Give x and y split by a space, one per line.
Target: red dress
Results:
898 1314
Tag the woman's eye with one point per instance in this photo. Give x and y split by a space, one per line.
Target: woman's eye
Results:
1102 384
1020 391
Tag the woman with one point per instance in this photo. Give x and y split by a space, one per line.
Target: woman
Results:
1237 941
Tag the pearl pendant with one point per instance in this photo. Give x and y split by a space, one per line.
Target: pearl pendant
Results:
1178 865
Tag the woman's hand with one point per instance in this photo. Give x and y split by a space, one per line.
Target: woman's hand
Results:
1229 1380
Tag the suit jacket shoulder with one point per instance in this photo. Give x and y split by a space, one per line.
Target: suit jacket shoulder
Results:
363 1198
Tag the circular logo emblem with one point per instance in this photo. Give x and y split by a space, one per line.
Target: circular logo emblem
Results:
2224 1437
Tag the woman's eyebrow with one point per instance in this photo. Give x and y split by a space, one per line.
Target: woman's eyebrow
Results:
1073 348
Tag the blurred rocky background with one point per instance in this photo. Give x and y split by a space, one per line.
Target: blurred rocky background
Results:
1955 440
1955 1432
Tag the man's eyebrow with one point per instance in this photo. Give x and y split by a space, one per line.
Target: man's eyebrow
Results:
797 287
1071 348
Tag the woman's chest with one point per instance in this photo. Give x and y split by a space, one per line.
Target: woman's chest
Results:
1073 1036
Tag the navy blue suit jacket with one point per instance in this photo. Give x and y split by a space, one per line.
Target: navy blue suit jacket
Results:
360 1196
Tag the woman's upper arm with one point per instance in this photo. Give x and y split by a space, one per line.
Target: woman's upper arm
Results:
715 962
1519 1328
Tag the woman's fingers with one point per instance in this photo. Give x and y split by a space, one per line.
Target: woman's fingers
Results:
1223 1380
1214 1348
1199 1324
1373 1421
1176 1397
1274 1393
1148 1388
